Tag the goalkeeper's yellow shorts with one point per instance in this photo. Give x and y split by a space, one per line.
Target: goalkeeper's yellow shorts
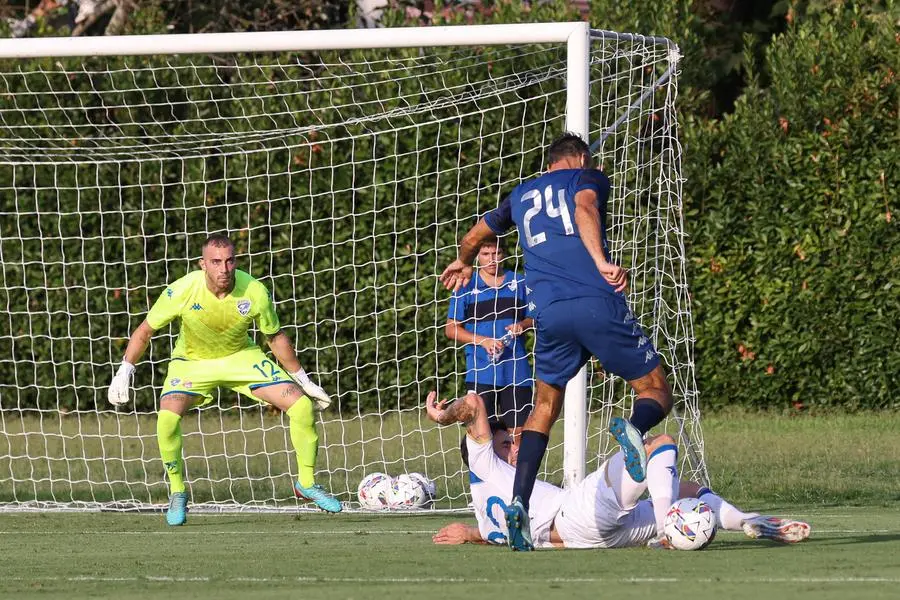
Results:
242 372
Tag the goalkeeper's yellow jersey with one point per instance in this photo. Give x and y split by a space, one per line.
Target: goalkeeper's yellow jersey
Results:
212 327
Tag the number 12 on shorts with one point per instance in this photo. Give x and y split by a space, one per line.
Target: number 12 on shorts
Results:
561 210
267 365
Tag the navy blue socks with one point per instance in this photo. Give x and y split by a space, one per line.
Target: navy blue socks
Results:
531 452
645 414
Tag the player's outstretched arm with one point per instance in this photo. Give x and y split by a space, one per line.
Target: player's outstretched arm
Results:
458 533
468 410
285 354
587 217
459 272
120 385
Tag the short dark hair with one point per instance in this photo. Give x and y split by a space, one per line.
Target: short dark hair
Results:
568 144
496 425
219 240
495 241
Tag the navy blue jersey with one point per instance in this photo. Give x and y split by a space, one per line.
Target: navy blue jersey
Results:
486 311
557 264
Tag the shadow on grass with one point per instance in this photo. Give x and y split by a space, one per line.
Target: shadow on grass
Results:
859 539
812 541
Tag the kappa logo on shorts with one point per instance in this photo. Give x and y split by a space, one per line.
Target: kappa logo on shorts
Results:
187 384
244 307
649 355
643 341
174 381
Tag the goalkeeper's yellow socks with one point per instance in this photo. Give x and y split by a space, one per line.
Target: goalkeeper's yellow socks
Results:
305 439
168 436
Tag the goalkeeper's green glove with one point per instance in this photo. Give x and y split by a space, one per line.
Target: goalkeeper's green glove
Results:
312 390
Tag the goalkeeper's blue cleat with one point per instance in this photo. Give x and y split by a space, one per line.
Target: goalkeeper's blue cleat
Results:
177 513
317 494
632 443
518 526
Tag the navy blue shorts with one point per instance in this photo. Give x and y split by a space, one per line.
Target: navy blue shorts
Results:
570 331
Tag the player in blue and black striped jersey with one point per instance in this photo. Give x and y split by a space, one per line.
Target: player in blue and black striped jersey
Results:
577 300
488 315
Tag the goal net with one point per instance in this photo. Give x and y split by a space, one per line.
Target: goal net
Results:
346 178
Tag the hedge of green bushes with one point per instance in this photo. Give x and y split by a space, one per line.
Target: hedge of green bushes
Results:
789 205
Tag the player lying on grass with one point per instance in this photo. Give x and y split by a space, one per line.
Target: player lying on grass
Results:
603 511
216 306
576 296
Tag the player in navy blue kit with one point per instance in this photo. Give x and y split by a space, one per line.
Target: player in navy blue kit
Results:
576 297
488 315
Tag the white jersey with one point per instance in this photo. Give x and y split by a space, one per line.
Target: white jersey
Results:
593 515
491 482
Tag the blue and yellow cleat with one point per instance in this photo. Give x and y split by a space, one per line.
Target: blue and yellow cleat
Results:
519 527
317 494
632 443
177 513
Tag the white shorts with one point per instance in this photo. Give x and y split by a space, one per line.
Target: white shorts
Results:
593 516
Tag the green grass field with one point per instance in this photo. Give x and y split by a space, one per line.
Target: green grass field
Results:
839 472
852 554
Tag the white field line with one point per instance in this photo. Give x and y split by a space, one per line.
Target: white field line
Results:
298 533
815 532
481 580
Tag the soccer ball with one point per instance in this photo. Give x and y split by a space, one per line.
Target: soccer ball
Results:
427 485
690 524
406 493
373 491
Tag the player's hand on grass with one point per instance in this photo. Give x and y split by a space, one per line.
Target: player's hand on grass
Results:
120 385
456 275
615 275
452 534
313 390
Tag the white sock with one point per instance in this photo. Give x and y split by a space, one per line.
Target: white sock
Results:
727 516
662 481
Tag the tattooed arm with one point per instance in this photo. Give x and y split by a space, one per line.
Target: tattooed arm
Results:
468 410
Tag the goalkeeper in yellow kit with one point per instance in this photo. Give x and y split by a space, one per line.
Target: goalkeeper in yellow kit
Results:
216 306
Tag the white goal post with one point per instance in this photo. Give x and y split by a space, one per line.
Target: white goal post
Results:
346 164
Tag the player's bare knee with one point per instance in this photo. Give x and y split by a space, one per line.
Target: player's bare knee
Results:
657 441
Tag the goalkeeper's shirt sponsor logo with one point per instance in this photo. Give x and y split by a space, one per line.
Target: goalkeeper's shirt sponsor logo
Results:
213 327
